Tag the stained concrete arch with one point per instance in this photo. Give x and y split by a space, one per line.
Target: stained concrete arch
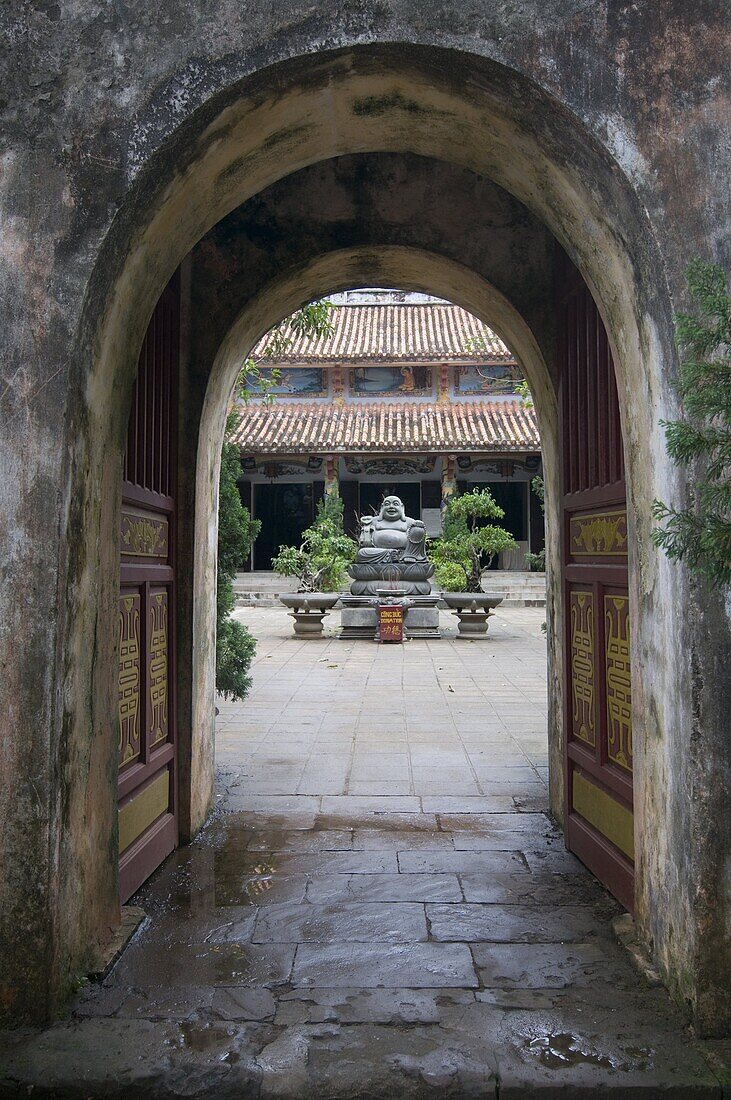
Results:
237 124
373 200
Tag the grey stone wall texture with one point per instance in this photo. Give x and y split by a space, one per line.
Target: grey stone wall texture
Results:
293 150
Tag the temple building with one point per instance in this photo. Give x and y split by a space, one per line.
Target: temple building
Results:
409 396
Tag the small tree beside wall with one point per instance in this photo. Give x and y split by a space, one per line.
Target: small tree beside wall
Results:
700 534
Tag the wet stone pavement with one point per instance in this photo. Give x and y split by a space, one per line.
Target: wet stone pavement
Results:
379 907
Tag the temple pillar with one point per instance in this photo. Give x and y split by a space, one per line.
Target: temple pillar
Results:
443 383
449 480
332 484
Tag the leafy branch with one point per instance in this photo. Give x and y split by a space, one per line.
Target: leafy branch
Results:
700 535
256 379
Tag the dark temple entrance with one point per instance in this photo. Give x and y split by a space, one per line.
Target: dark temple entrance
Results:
371 496
286 511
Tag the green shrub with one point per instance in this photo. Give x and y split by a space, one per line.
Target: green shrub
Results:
236 534
235 647
450 576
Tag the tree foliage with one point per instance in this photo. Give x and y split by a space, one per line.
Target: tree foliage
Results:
468 544
236 529
523 391
701 534
538 486
537 562
236 534
321 560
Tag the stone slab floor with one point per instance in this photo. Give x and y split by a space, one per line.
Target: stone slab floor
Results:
380 906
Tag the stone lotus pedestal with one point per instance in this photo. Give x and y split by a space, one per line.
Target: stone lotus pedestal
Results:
309 610
473 609
408 578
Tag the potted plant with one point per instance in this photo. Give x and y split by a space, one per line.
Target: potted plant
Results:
536 562
464 553
319 563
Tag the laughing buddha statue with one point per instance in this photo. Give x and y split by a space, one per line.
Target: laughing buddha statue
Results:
391 553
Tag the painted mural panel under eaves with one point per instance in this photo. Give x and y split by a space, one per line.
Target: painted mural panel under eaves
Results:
390 381
299 382
493 379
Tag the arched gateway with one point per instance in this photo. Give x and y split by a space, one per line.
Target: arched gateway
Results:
471 172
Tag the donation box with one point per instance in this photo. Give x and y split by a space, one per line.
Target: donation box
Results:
390 622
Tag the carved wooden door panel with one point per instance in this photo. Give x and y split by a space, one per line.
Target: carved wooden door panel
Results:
147 794
598 722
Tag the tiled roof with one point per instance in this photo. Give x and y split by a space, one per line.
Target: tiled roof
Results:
287 428
396 333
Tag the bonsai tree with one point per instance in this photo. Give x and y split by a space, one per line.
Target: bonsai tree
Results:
468 545
701 534
236 534
320 561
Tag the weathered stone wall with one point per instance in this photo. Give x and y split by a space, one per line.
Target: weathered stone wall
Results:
127 133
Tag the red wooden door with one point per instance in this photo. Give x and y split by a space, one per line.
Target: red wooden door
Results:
147 774
598 723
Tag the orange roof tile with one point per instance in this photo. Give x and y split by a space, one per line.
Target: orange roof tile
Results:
396 333
293 428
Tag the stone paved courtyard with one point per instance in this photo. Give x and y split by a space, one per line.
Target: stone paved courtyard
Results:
380 906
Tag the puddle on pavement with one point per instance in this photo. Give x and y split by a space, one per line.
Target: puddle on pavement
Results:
240 876
560 1049
230 963
202 1038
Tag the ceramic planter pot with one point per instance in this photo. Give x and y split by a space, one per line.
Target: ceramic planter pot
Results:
308 610
473 609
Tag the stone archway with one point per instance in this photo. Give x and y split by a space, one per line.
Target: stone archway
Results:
409 269
496 121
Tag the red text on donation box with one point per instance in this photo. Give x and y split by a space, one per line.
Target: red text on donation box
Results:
390 622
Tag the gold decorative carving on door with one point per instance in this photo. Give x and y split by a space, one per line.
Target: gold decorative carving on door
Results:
619 682
129 678
158 667
600 534
583 686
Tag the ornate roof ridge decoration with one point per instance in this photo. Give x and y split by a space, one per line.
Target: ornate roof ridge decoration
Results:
397 333
301 428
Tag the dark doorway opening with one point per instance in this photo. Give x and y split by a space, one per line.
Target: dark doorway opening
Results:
372 494
286 511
